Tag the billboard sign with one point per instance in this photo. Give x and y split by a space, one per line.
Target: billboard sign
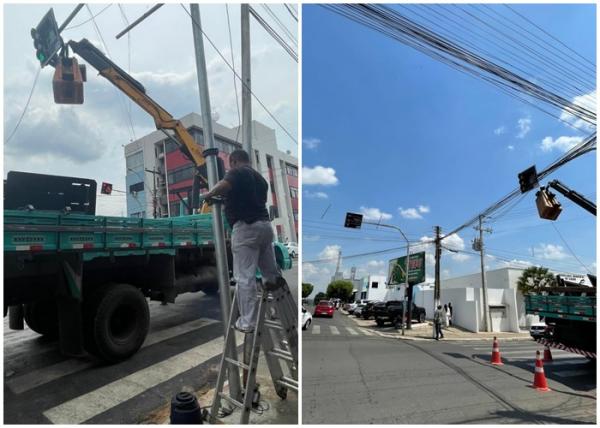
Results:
416 270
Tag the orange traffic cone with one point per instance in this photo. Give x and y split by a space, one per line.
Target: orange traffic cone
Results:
539 379
547 355
496 360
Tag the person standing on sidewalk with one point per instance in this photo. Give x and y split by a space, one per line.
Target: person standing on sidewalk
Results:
451 312
446 316
437 320
245 193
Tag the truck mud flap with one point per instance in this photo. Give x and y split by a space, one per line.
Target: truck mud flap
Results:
557 345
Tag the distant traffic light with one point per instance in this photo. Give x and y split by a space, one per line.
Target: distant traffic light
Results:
353 220
46 39
528 179
106 188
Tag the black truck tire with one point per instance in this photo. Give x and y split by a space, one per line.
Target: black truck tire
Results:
116 321
380 322
421 317
42 317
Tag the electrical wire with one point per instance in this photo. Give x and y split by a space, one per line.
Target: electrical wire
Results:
37 74
88 20
289 9
237 100
281 25
569 248
283 128
274 34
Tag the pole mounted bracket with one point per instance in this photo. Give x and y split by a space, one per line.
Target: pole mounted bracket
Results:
213 151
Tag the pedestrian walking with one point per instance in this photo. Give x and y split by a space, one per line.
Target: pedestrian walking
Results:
446 316
245 192
437 321
451 313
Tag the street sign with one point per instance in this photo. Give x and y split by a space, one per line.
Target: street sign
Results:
416 270
106 188
353 220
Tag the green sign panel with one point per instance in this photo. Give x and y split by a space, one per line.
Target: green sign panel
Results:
416 270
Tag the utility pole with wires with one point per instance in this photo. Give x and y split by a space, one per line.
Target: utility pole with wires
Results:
438 256
246 84
478 246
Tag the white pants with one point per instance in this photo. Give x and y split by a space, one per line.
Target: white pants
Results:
252 247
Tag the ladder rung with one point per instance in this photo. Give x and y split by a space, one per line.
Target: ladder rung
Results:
237 363
286 383
284 356
231 400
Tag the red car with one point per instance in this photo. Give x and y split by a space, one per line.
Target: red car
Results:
324 308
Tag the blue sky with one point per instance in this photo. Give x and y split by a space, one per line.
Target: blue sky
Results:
389 131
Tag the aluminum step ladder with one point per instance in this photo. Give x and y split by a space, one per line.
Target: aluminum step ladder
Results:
276 333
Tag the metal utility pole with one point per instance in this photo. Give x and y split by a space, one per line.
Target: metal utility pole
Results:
486 310
288 201
211 153
438 256
406 270
246 84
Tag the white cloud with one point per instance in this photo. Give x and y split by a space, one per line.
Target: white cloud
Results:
375 263
315 195
550 252
515 263
410 213
311 143
311 238
510 147
330 252
455 242
374 214
501 130
587 101
424 209
524 126
561 143
324 176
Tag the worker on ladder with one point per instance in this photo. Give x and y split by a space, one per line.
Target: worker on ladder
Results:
245 194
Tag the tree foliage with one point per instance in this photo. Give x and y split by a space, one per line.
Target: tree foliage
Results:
320 296
534 279
340 289
307 288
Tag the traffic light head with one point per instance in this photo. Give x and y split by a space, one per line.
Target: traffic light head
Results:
106 188
528 179
46 39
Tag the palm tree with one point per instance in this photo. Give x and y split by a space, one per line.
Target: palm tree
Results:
534 279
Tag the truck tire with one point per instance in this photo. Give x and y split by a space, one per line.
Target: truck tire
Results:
116 321
379 322
421 317
42 317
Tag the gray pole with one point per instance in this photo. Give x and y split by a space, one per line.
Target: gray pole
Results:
246 84
288 201
217 217
436 287
486 309
391 226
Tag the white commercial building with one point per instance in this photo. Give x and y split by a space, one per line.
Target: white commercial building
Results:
159 177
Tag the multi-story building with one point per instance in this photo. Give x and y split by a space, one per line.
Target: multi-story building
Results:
159 176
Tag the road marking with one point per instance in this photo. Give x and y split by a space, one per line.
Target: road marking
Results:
352 331
93 403
334 330
572 373
316 329
34 378
508 347
367 332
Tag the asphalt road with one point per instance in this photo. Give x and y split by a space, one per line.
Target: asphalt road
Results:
182 351
352 376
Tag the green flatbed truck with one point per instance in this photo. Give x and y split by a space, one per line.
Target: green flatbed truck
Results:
570 314
85 279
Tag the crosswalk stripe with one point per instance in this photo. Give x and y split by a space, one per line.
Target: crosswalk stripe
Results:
316 329
334 329
35 378
352 331
86 406
529 355
367 332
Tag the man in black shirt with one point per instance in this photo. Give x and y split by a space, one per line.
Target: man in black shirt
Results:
245 192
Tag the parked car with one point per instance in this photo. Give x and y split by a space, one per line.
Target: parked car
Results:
358 310
306 318
537 329
292 248
351 307
391 311
367 311
324 308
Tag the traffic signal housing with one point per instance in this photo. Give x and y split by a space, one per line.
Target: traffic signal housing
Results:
528 179
46 39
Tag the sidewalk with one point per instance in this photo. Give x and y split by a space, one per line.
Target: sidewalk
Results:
424 331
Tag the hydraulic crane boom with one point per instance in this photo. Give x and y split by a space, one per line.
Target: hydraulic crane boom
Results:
574 196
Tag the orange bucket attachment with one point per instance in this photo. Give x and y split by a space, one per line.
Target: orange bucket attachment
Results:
67 83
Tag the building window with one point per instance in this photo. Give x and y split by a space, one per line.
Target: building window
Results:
273 212
269 162
375 284
135 161
296 215
171 146
291 170
181 174
294 192
138 215
137 187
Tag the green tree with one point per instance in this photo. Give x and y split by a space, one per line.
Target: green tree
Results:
534 279
306 289
320 296
340 289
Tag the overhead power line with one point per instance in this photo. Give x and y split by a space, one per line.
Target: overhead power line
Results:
37 74
274 34
283 128
88 20
291 11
